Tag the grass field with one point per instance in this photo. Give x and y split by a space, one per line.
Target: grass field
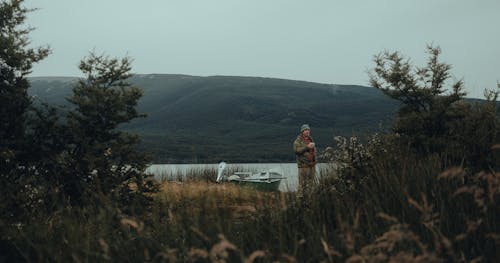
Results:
421 213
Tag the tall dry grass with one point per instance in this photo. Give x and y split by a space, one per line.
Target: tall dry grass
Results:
409 210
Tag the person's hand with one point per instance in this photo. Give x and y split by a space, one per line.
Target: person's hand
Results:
310 145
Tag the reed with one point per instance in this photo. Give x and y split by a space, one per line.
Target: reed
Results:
413 209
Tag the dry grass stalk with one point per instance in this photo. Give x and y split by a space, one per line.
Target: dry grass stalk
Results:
288 258
348 236
196 254
388 218
169 255
330 251
429 218
237 201
398 244
133 223
200 234
453 172
197 189
220 251
255 255
495 147
105 248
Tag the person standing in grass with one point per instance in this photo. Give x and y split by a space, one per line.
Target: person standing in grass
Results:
304 149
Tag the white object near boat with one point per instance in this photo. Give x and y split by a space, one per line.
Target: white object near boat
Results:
268 180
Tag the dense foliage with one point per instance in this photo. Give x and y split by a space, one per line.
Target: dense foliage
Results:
433 121
51 159
16 59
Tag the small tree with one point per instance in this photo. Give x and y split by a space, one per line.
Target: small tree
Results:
425 106
104 161
432 120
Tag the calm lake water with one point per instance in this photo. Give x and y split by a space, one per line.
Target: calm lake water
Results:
288 170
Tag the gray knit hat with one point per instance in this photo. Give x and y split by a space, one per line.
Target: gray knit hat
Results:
304 127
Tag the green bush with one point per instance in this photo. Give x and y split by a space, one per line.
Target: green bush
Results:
433 121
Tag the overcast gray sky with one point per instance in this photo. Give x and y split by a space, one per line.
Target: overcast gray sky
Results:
326 41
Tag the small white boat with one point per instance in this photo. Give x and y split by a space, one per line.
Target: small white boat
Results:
268 180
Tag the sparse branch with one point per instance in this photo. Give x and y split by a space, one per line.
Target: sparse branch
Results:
439 72
106 72
393 75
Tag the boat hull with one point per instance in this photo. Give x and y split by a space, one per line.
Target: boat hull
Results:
267 186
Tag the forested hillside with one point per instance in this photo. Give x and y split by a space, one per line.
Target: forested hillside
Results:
238 119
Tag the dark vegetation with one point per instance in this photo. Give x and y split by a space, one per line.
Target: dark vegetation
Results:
51 159
73 186
239 119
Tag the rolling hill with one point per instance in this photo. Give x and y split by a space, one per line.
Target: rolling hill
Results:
238 119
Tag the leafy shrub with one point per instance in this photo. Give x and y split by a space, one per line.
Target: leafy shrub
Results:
433 121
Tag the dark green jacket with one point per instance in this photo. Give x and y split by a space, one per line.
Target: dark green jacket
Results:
303 153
